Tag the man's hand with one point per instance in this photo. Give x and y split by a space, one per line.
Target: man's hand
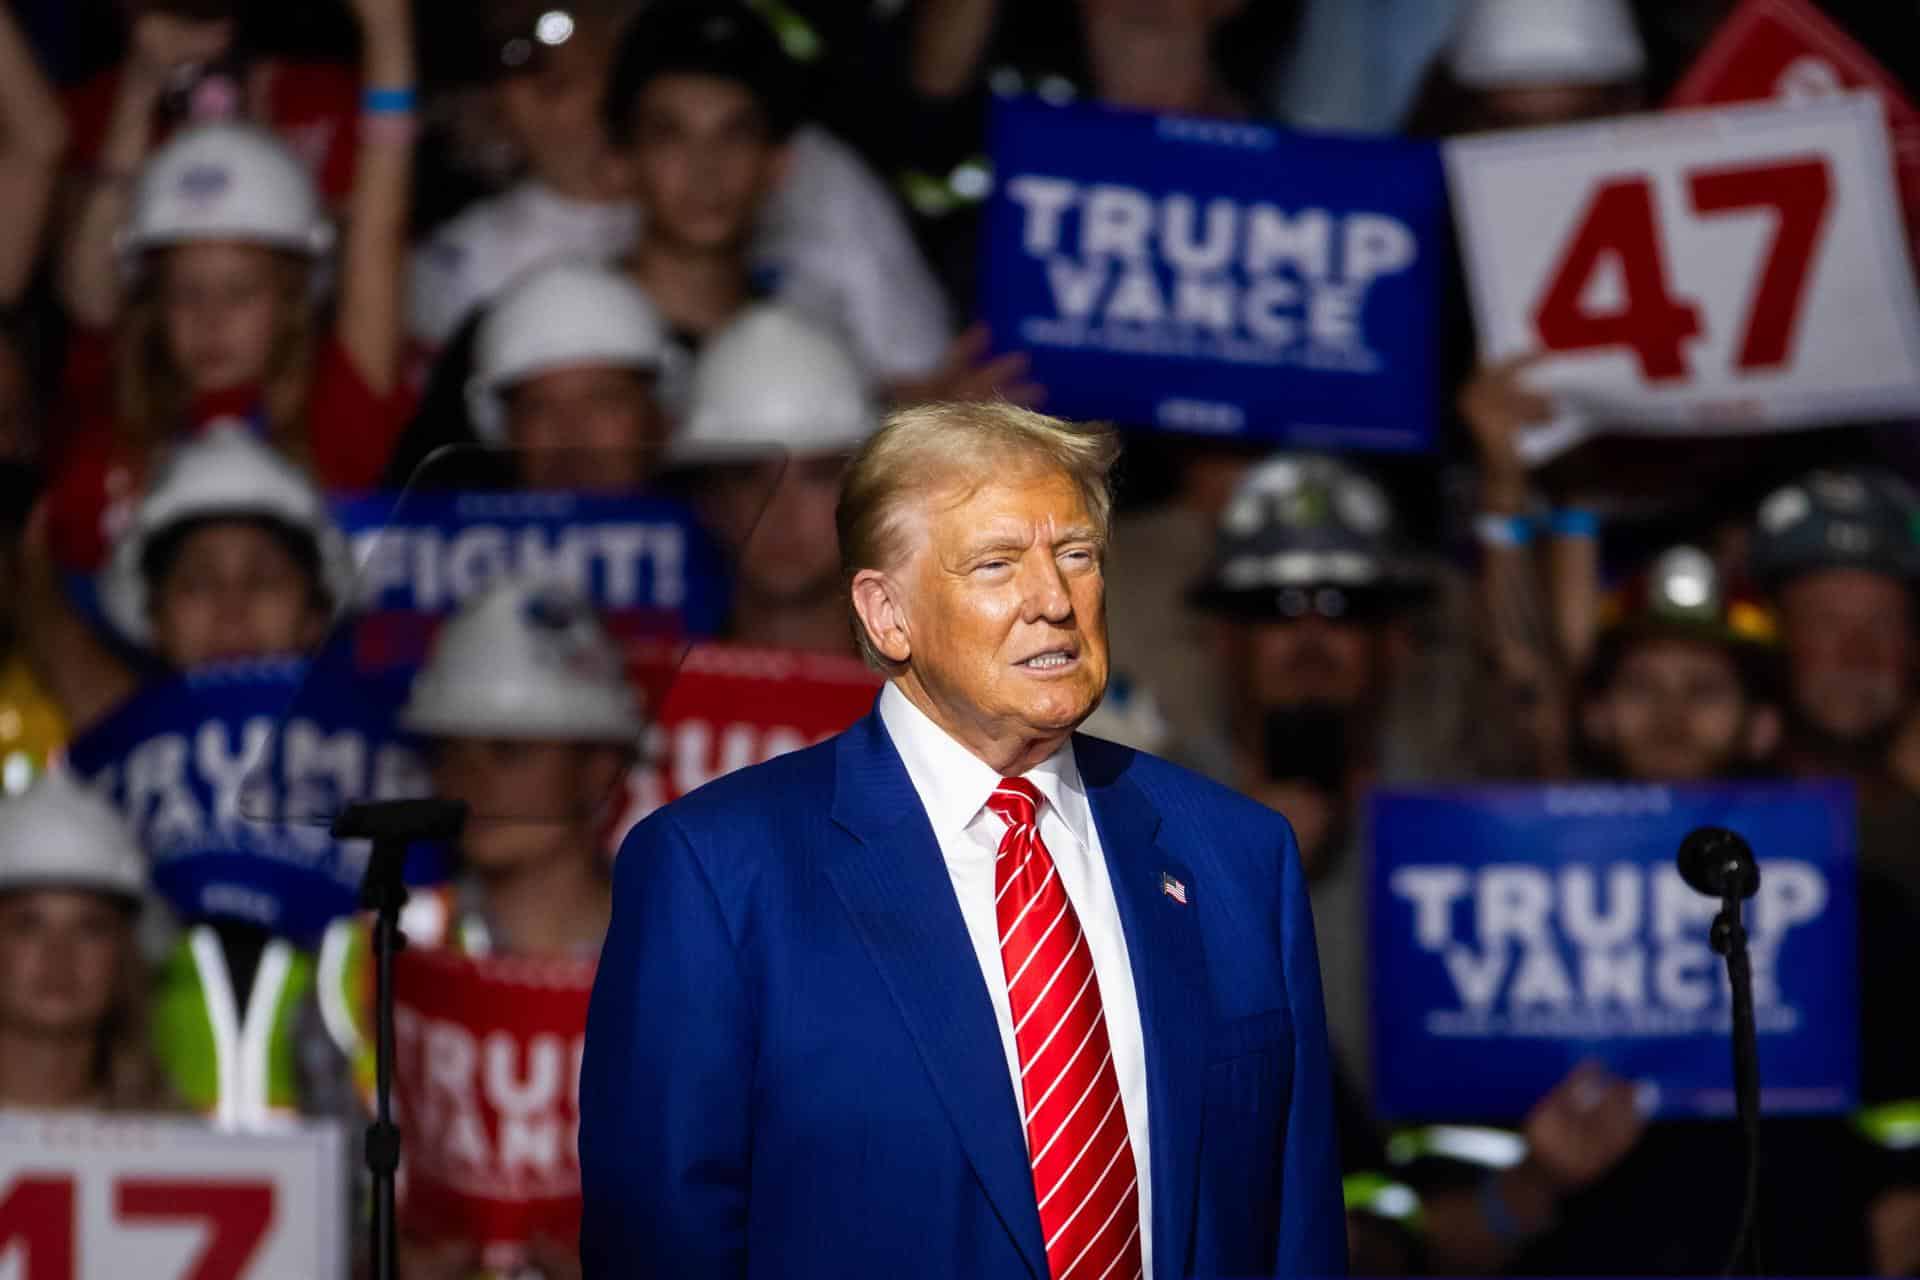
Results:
554 1260
441 1260
1581 1130
164 42
1498 407
964 373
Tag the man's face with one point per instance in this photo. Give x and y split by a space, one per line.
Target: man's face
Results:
1676 711
595 428
703 161
1281 664
1004 607
527 801
60 956
552 113
233 591
1850 650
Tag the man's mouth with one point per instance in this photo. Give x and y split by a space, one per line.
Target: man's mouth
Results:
1051 660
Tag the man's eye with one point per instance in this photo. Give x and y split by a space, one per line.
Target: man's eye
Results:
990 565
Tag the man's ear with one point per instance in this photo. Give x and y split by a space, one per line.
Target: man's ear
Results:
877 599
1763 731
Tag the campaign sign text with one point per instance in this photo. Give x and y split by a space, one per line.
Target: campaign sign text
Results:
643 561
198 763
1216 276
105 1197
1520 930
1731 270
731 706
487 1084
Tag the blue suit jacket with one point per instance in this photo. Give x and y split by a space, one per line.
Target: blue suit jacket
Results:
792 1067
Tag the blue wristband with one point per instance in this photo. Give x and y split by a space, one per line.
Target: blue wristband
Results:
1498 1216
387 102
1574 522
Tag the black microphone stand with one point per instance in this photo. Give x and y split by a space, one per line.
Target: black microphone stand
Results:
1729 938
392 825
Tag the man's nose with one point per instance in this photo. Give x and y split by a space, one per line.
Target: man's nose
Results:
1047 596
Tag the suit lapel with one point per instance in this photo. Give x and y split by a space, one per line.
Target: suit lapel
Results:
893 880
1170 979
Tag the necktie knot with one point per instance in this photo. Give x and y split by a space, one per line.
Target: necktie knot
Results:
1015 802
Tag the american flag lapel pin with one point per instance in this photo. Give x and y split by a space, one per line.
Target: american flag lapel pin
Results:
1173 888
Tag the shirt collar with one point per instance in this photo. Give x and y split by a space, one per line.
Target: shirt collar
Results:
954 784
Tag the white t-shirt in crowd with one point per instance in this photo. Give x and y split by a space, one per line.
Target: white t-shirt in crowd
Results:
832 243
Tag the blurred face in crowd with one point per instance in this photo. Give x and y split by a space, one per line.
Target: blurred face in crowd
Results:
233 589
703 160
60 956
1850 651
526 801
1161 13
998 610
592 427
552 114
221 306
1677 710
779 518
1312 659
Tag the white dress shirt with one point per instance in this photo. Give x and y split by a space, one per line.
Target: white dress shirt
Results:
953 785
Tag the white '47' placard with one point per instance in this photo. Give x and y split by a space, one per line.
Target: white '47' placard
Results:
1731 270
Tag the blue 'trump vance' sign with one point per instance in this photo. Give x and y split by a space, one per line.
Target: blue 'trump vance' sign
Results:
1519 930
1219 277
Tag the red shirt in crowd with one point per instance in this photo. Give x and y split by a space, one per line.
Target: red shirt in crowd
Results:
351 432
313 106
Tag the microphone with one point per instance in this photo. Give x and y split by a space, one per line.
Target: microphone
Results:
1719 863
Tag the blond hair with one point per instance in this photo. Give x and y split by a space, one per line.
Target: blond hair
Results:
935 446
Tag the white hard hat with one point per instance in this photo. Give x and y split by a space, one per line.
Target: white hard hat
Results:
555 317
226 472
1508 43
525 660
226 182
774 380
57 834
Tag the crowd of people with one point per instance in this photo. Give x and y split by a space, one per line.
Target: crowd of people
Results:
691 252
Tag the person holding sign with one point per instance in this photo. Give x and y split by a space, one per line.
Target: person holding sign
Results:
775 393
956 992
532 724
230 554
72 1029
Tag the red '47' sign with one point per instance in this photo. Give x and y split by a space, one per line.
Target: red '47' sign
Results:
164 1199
1739 269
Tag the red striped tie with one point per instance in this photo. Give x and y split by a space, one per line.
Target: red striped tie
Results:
1083 1170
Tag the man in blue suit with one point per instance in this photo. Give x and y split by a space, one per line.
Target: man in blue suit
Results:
957 992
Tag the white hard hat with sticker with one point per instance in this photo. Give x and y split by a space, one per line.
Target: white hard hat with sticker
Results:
58 834
225 182
525 661
1503 44
774 380
225 473
563 315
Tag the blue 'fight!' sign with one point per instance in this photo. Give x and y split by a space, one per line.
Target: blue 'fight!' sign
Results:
196 761
1219 277
644 562
1517 931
